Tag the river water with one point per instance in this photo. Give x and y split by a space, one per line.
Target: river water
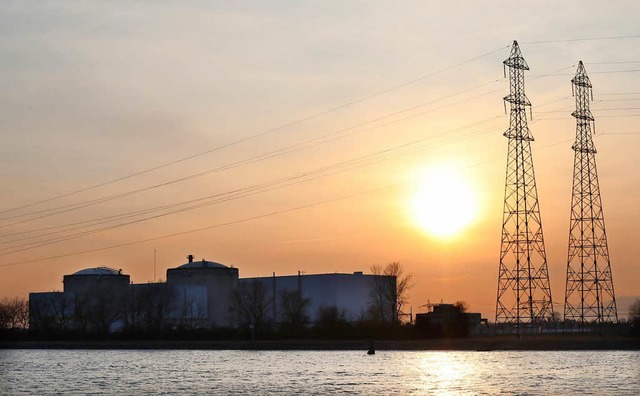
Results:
128 372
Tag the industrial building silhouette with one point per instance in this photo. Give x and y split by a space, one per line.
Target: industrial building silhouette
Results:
199 295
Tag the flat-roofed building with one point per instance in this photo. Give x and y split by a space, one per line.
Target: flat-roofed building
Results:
353 295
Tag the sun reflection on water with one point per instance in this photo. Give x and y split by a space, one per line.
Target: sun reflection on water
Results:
448 373
318 372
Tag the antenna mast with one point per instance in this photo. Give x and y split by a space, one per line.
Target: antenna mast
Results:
154 265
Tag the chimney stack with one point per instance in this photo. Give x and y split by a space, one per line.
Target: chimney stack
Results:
190 258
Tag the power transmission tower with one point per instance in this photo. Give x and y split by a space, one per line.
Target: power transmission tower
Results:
589 295
524 294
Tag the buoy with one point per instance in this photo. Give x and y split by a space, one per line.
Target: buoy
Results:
372 349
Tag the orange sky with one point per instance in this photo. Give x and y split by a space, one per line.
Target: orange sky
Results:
92 93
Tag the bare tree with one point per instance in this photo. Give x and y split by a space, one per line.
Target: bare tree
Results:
390 289
251 301
22 312
294 309
81 312
331 315
107 309
332 321
134 311
192 310
634 311
188 314
634 318
4 315
164 305
149 305
461 306
62 310
382 306
14 313
40 318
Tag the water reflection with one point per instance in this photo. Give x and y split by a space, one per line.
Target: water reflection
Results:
319 372
443 373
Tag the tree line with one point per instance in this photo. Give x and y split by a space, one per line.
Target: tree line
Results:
14 314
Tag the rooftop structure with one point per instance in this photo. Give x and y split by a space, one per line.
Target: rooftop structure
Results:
98 271
200 264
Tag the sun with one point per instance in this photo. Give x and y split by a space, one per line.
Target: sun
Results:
444 203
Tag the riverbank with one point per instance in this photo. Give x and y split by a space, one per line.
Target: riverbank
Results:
479 343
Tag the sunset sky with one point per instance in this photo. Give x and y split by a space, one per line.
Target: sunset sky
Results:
326 123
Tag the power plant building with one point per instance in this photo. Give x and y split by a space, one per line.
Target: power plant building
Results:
197 294
202 293
92 300
350 294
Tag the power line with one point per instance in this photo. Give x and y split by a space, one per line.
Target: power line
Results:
55 240
622 133
200 229
583 39
275 153
241 193
619 109
615 71
233 222
600 116
242 140
613 63
259 157
117 217
87 223
598 110
618 100
562 110
619 93
597 72
619 116
551 102
71 207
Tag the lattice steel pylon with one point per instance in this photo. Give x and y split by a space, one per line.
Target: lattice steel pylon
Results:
589 295
524 293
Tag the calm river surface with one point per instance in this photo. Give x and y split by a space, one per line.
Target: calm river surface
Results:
128 372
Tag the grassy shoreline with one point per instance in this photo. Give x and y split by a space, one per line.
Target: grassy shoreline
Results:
484 343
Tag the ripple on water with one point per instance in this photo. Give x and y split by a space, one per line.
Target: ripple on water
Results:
313 372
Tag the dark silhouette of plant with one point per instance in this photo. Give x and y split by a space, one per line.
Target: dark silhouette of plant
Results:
251 302
62 310
149 306
390 292
294 311
332 323
634 318
14 313
461 306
